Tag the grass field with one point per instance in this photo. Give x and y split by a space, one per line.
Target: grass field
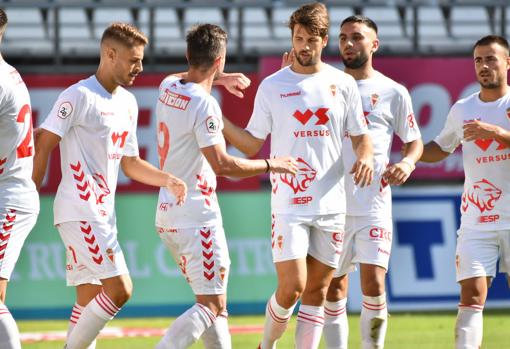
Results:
416 331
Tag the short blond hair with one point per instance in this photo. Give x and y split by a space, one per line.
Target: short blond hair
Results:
124 33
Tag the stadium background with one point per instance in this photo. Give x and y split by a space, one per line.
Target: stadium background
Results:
426 45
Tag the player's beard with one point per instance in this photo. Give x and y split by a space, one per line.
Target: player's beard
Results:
490 84
311 60
357 62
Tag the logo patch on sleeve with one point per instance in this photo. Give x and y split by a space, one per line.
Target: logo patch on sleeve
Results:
65 110
213 124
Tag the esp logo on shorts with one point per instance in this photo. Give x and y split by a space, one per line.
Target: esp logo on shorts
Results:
212 124
64 110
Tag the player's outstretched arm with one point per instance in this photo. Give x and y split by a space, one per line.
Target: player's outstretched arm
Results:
141 171
363 168
432 152
481 130
224 164
241 139
397 174
44 142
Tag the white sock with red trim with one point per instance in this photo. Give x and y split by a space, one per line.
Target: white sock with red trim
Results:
75 315
9 334
310 322
469 327
93 318
187 328
336 327
275 324
373 322
217 336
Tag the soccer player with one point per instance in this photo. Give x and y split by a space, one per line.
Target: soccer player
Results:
307 108
368 228
480 122
191 145
19 201
95 121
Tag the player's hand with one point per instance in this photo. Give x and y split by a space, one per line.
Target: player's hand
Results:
398 173
285 164
235 83
287 58
363 172
177 187
476 129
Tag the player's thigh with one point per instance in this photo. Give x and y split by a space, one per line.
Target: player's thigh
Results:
93 252
326 239
373 240
476 254
202 255
345 263
291 275
289 237
504 252
15 225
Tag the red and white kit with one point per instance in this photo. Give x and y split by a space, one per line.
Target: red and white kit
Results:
97 129
188 119
484 233
19 201
307 116
388 109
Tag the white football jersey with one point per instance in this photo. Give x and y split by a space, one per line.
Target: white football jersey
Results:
97 129
17 190
188 119
388 109
486 199
307 116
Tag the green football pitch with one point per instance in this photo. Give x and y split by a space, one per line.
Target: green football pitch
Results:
415 330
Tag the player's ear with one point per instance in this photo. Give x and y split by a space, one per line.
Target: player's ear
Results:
375 45
325 41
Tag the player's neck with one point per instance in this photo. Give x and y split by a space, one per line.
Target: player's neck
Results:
493 94
362 73
311 69
108 84
199 77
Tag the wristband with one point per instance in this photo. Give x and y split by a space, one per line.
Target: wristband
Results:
409 162
268 167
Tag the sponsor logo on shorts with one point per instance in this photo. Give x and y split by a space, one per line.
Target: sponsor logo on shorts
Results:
383 251
64 110
379 234
223 273
110 255
279 242
164 206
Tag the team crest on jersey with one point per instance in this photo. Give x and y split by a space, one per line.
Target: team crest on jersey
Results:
374 98
64 110
508 113
483 194
332 88
212 124
302 179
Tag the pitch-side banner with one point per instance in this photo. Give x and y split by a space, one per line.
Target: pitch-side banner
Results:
421 274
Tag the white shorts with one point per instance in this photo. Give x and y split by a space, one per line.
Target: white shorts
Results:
93 252
478 252
15 226
295 237
202 255
367 241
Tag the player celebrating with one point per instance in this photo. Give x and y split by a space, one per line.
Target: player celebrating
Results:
94 121
192 146
480 123
368 228
307 108
19 201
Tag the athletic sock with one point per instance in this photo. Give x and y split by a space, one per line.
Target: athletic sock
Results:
336 327
92 320
9 334
373 322
469 327
187 328
310 322
275 324
217 336
75 315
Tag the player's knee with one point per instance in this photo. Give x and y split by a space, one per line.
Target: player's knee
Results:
122 293
291 293
373 288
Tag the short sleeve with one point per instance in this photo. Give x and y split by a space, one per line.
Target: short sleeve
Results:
450 137
355 123
67 112
404 122
208 124
260 122
131 148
